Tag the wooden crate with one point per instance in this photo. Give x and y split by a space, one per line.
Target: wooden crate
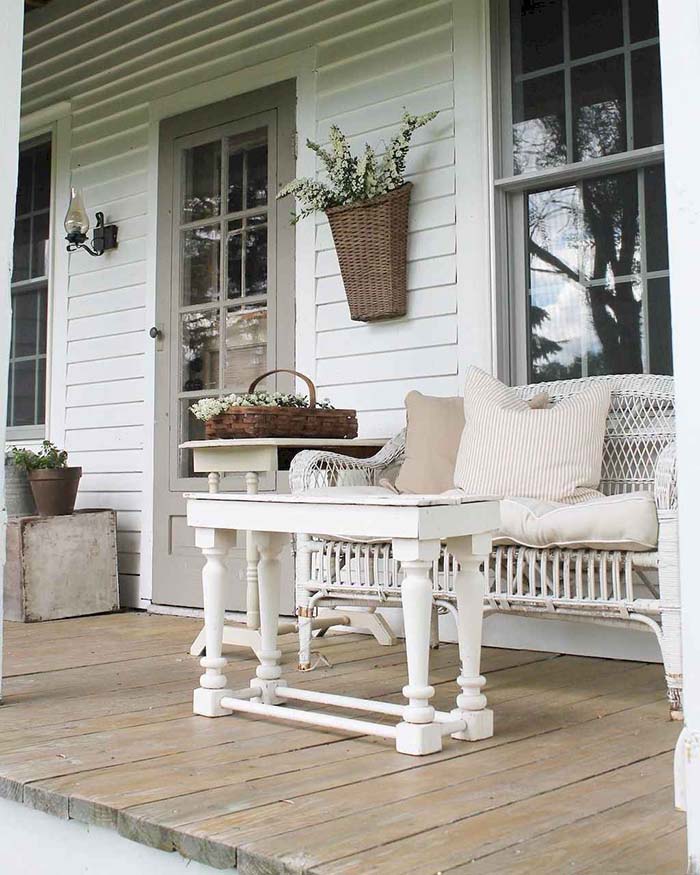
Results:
61 566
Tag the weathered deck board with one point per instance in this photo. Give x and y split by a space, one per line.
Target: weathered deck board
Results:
97 726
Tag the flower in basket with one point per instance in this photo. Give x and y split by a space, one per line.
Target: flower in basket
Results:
354 178
207 408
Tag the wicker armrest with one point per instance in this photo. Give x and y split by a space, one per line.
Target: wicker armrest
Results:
317 468
666 479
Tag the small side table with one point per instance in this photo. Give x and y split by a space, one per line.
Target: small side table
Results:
253 457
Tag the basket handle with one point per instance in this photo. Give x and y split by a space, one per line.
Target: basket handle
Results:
309 385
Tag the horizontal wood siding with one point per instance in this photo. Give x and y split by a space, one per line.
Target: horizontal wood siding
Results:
374 58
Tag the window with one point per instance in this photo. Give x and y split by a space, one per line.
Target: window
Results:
583 185
27 374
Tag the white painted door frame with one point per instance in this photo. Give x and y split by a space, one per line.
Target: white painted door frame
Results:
679 22
11 31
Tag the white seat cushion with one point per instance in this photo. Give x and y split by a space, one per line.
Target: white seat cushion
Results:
615 522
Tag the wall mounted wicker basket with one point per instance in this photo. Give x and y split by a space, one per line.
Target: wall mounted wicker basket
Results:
370 239
294 422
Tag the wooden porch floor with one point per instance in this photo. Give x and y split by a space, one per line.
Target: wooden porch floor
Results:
97 726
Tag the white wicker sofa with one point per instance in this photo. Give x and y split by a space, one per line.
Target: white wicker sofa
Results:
633 589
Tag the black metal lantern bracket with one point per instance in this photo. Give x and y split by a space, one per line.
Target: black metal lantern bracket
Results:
104 237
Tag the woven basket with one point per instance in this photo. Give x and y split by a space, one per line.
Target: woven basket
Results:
294 422
370 239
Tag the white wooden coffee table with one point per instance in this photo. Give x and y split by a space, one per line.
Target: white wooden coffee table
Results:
416 525
254 457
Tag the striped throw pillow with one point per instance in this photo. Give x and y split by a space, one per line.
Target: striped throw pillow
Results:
507 449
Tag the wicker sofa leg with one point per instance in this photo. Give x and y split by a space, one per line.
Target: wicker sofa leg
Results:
670 596
303 576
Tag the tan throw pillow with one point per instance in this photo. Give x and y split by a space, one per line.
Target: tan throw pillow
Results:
508 449
434 429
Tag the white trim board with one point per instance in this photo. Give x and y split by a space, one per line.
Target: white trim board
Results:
88 849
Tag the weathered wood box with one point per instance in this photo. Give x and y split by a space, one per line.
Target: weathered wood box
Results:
61 566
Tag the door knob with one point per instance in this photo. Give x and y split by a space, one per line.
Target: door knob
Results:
155 333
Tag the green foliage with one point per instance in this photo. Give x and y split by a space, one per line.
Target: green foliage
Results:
49 456
353 178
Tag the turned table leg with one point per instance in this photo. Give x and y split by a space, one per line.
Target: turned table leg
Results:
470 586
268 674
214 544
418 733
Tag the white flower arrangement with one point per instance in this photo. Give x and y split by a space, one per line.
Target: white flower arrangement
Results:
207 408
354 178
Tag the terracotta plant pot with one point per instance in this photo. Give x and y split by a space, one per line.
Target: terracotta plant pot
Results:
55 489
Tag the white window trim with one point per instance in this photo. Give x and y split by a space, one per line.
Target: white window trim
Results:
54 120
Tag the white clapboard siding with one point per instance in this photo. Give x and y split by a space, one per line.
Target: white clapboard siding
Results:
373 58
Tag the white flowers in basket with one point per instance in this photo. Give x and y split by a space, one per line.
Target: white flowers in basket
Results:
207 408
354 178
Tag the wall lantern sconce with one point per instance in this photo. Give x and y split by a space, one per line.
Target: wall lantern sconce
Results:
77 224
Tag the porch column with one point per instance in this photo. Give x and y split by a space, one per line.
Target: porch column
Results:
11 30
679 22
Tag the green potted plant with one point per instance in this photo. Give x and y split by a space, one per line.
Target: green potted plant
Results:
366 201
53 483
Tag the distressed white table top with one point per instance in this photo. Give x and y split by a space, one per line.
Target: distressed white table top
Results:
344 497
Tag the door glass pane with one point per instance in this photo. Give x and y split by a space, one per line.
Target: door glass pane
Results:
659 308
598 94
200 265
235 259
200 351
610 226
256 260
536 35
192 429
235 178
202 182
644 19
246 347
655 208
594 26
256 188
539 127
646 88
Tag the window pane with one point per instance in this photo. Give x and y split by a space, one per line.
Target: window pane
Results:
539 128
200 265
646 90
200 351
42 176
246 347
256 189
21 250
40 244
256 261
24 386
23 204
235 180
594 26
554 220
24 324
659 308
598 94
41 392
235 259
644 19
536 34
611 226
655 218
202 184
43 295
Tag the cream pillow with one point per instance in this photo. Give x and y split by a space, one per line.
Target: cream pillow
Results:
434 427
607 522
509 449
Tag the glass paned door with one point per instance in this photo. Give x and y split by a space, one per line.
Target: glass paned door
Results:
222 265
